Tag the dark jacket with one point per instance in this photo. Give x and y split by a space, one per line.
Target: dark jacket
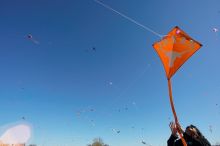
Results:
175 141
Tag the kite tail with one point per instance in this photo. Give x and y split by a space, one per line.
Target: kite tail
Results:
174 113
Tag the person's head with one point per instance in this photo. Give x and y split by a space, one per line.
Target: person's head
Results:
192 131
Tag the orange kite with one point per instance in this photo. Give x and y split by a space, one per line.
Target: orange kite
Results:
174 49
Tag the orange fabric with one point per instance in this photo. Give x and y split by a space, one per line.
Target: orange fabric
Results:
174 49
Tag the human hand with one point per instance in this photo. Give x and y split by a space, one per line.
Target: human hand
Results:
179 128
173 128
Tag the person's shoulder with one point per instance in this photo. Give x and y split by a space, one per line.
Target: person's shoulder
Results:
178 142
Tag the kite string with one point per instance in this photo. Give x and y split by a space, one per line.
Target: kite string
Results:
128 18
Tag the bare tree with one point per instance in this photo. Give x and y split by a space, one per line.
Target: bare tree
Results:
97 142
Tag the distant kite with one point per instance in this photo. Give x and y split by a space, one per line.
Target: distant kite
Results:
31 38
143 142
215 29
110 83
94 49
117 131
210 128
174 50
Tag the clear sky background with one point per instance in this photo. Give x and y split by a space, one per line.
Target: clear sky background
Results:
71 93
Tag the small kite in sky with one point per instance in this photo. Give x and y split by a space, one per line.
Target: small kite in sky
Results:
31 38
215 29
210 128
174 49
93 49
116 131
143 142
134 105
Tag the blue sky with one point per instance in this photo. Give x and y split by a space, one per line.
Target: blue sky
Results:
123 80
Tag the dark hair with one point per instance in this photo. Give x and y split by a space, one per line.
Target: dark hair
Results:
201 139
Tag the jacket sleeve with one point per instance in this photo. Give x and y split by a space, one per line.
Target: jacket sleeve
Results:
171 140
205 142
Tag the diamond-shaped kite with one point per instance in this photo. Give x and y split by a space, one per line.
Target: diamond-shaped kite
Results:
174 49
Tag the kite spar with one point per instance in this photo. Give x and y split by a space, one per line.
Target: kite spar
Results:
174 49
